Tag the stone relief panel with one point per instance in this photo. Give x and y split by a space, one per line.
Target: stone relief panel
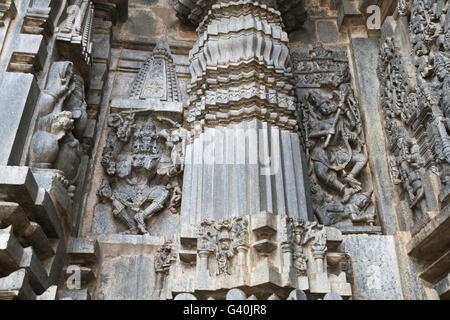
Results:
164 258
404 127
429 36
157 78
333 139
62 121
155 87
143 157
143 162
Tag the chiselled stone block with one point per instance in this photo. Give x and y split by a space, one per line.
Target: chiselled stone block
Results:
19 95
34 236
437 270
12 214
341 288
265 246
29 53
83 250
349 14
28 233
16 287
188 256
443 288
46 214
38 277
75 295
334 238
265 273
49 294
264 224
429 242
11 252
17 184
319 283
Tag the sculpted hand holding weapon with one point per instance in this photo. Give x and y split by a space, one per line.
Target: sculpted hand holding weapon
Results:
333 152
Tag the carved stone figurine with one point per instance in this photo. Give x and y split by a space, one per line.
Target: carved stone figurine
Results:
143 177
333 136
358 210
223 256
300 261
163 260
62 118
335 130
132 195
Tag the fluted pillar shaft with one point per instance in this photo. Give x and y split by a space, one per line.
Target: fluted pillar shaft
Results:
245 154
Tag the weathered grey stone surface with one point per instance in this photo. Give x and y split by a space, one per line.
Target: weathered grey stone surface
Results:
16 286
185 296
332 296
18 99
443 288
224 150
236 294
365 57
375 267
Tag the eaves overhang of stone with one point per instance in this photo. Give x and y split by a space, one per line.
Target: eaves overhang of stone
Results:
117 8
194 12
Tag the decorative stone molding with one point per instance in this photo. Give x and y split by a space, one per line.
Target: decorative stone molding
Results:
157 79
429 37
399 101
252 81
155 88
257 250
74 34
7 10
37 19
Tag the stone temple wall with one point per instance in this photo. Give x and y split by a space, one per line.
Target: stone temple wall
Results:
218 149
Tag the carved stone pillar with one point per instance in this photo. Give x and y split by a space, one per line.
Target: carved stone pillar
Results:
245 156
242 263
